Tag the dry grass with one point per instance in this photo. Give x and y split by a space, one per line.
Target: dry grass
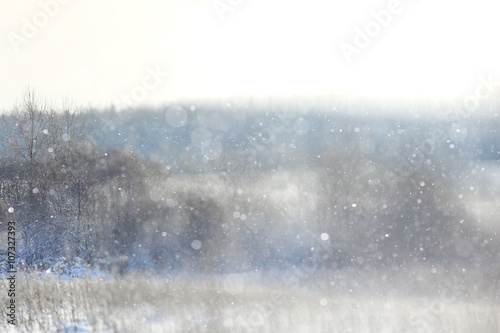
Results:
231 304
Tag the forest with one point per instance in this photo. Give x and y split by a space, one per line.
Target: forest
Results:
241 188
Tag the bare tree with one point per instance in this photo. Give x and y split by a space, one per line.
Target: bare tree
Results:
28 136
44 174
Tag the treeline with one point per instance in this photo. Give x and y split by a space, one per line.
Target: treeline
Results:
209 190
70 198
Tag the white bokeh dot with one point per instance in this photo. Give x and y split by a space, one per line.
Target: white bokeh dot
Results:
301 126
176 116
201 137
196 244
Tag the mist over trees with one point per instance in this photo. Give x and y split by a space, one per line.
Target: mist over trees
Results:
220 189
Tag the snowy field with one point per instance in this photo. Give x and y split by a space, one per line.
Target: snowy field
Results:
276 302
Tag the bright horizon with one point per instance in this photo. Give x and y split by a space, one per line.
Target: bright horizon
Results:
99 53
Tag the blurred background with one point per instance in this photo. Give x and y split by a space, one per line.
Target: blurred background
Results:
352 147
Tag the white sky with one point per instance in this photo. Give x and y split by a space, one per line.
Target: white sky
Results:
93 52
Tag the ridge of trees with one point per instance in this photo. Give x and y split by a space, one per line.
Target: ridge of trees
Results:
74 198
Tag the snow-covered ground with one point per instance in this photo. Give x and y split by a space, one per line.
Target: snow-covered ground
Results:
429 301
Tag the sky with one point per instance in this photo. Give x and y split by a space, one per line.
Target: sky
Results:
95 53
